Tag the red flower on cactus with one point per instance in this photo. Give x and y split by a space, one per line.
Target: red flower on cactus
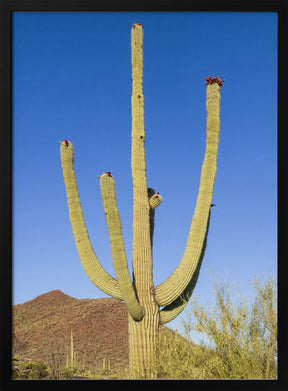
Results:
108 173
212 80
66 142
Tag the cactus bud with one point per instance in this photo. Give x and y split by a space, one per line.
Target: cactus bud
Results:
155 200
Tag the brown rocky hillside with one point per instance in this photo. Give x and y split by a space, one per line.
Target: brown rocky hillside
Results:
42 329
42 326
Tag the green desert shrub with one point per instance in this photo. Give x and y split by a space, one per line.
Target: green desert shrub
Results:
26 369
239 341
178 358
75 371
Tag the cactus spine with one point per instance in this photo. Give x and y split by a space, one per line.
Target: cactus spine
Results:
143 300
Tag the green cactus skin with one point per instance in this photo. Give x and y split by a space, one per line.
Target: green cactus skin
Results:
172 310
174 286
142 335
155 201
88 258
71 349
117 247
143 300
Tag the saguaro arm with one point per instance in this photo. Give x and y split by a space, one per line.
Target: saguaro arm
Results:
88 258
117 246
171 289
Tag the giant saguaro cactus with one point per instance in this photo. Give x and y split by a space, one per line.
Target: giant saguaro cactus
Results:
148 306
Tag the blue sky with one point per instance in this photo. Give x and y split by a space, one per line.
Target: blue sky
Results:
72 80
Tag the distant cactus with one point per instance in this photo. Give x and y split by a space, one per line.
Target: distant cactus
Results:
148 306
72 354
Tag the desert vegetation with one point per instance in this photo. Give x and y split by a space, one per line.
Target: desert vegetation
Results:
238 341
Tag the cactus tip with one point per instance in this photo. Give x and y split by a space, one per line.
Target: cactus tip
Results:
66 142
107 173
212 80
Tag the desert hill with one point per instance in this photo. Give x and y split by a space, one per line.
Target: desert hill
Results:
42 331
42 327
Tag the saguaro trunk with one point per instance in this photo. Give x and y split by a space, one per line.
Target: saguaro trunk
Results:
143 334
143 338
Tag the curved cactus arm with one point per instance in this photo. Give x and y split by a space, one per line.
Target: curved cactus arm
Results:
173 287
88 258
117 246
172 310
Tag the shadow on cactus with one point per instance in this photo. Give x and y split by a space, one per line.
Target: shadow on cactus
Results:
148 306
